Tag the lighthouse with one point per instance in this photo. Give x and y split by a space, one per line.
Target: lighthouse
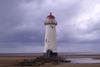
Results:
50 35
50 48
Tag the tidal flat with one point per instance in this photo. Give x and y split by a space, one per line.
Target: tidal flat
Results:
10 60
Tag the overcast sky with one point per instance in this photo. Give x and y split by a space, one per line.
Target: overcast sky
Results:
22 25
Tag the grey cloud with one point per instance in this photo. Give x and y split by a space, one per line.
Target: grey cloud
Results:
12 17
22 21
22 36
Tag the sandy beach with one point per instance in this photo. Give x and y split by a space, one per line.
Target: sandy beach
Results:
9 61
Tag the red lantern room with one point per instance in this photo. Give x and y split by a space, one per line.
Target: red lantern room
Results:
51 16
50 20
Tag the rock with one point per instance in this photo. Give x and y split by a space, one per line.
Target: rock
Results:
48 57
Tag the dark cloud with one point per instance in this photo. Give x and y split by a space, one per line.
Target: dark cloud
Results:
11 17
22 21
23 36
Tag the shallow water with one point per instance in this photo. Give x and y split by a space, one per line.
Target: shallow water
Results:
84 60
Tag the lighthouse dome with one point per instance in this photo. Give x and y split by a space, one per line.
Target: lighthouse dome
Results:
51 16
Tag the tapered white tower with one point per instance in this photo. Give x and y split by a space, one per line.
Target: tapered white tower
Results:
50 33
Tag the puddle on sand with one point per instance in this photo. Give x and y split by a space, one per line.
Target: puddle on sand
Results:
84 60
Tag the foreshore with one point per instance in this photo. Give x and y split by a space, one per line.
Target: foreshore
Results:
8 60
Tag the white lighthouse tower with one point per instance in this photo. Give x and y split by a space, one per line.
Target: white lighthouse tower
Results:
50 34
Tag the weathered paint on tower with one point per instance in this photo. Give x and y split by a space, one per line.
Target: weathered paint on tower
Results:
50 33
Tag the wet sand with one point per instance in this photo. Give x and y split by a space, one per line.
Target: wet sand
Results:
9 61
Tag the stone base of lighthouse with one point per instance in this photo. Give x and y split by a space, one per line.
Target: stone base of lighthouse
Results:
50 53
